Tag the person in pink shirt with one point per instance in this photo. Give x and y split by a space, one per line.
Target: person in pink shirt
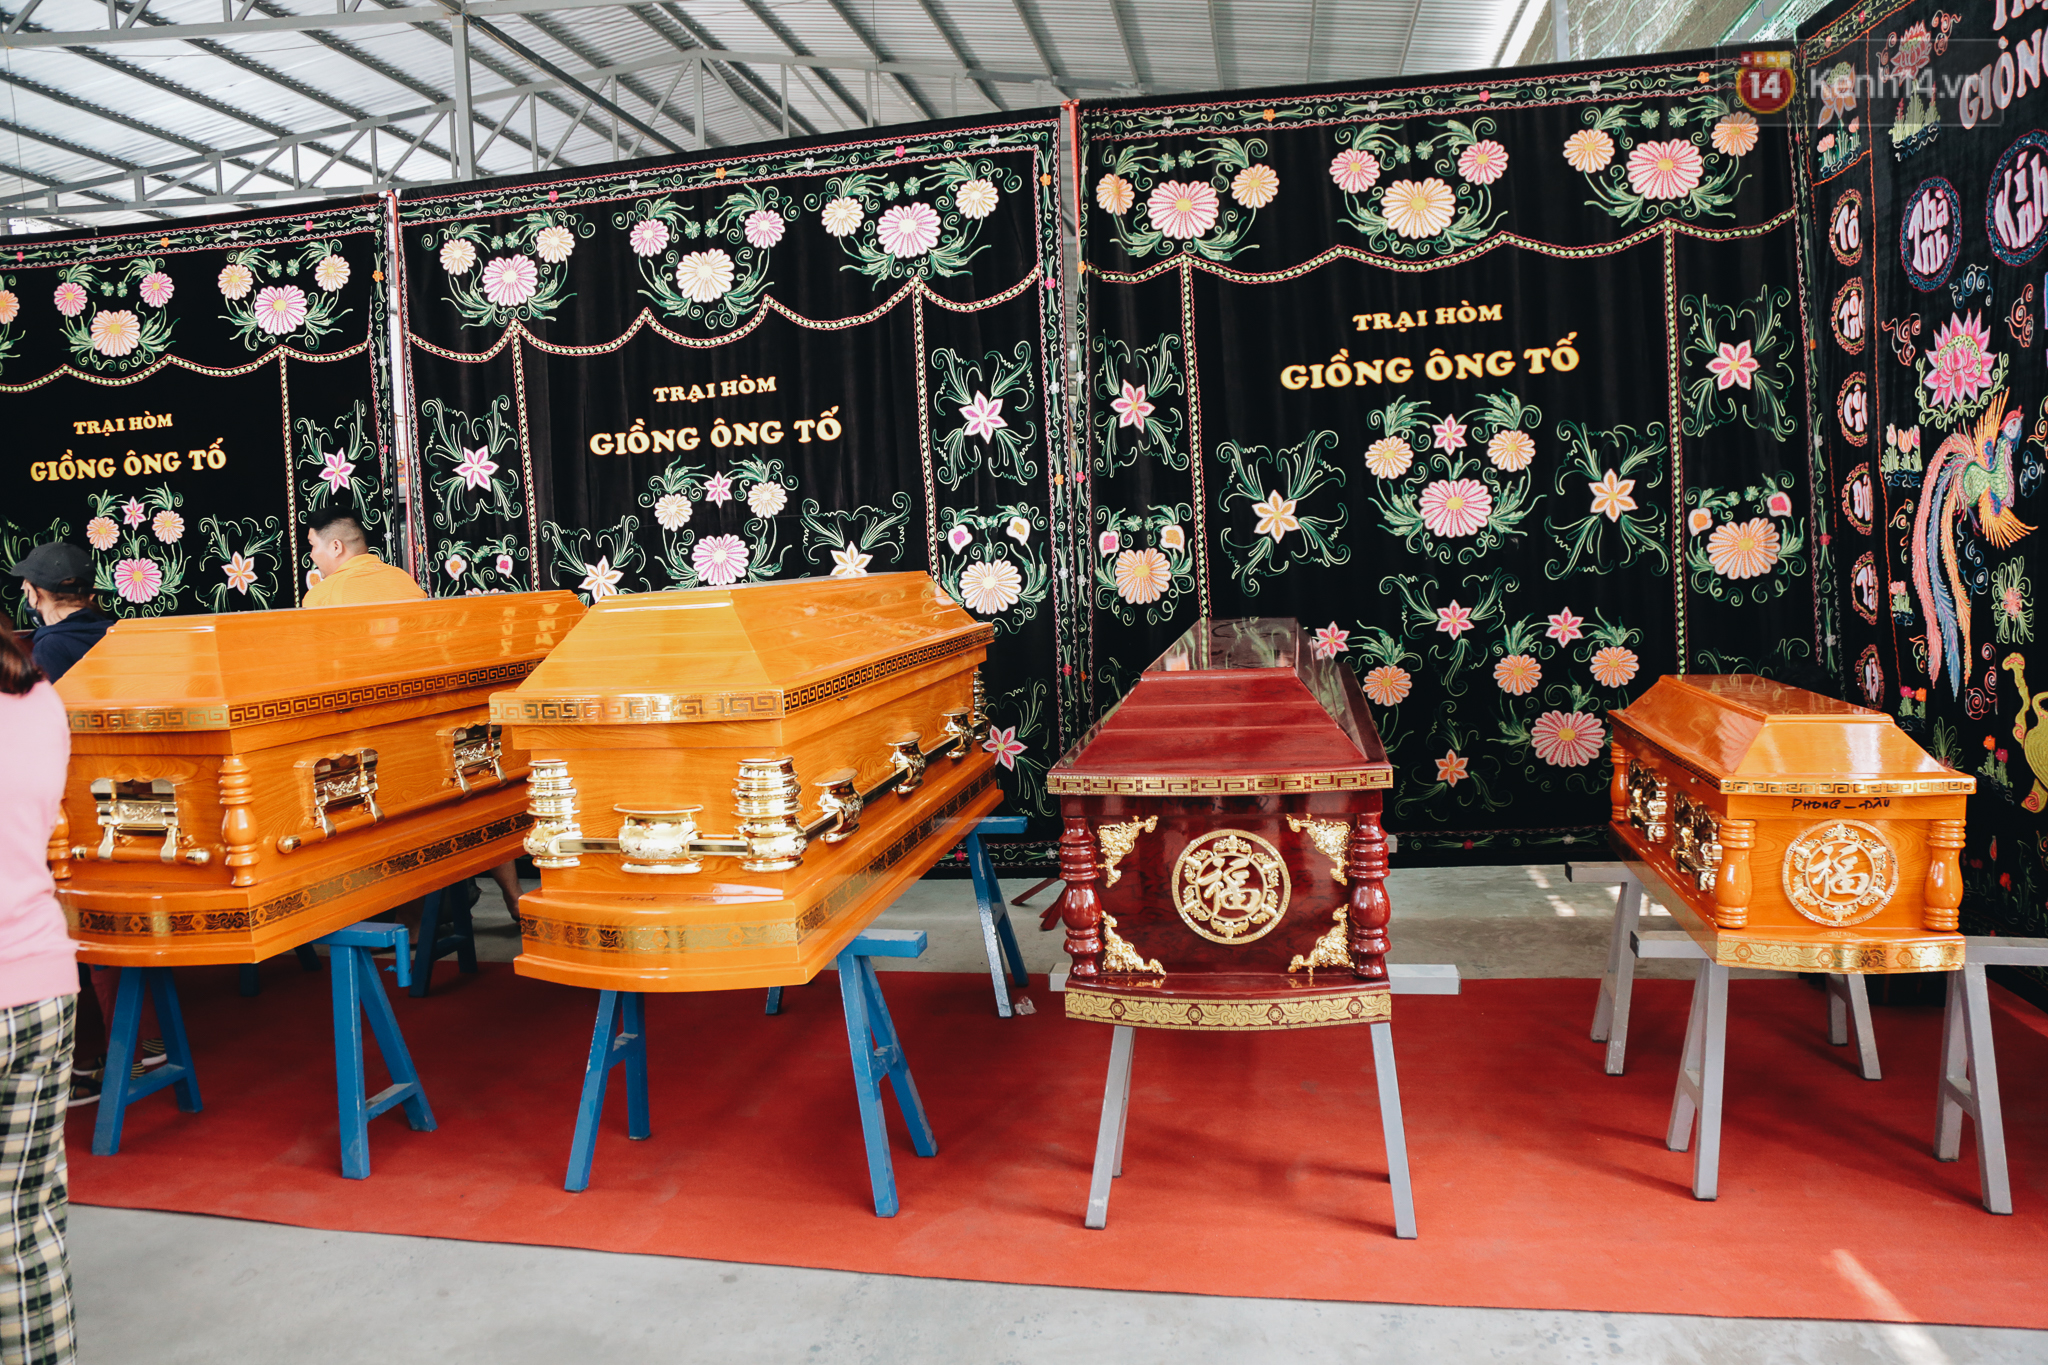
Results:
38 1020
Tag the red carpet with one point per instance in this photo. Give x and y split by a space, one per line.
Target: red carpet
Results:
1254 1165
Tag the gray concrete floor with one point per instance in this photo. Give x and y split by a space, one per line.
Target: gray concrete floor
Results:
170 1288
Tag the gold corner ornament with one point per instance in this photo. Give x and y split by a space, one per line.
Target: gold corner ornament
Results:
1118 840
1330 950
1231 886
1840 873
1332 839
1119 956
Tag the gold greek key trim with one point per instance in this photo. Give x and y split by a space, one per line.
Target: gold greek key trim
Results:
1090 784
121 719
671 708
129 924
1862 958
1363 1006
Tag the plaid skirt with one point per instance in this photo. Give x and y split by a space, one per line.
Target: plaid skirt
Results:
35 1092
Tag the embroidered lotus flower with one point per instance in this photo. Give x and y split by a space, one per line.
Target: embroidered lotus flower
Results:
848 562
1131 407
1276 516
1612 496
764 228
1113 192
704 276
1734 366
1389 457
841 216
279 308
1613 666
1664 170
600 580
908 230
156 288
672 511
719 560
332 272
1388 685
648 237
1511 450
1255 185
70 299
554 244
1518 675
1171 537
115 332
1456 507
767 499
167 526
458 256
718 489
1736 134
1564 627
133 513
505 565
1452 768
1418 208
240 572
1005 745
959 538
1589 151
1354 171
101 533
1019 529
1483 162
1698 520
976 199
1779 504
455 566
335 470
1744 550
1567 739
10 306
138 580
1107 542
1450 436
476 467
991 586
1959 361
1182 209
1329 642
1453 620
1142 575
984 416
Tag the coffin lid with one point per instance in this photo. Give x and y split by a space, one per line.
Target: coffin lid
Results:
229 672
1234 707
1751 736
750 652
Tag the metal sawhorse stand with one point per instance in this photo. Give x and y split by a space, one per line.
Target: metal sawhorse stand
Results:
1848 999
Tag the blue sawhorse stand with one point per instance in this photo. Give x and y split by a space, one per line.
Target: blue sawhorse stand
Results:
357 992
454 903
871 1038
122 1088
997 937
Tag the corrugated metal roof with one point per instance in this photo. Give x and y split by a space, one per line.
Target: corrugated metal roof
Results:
196 104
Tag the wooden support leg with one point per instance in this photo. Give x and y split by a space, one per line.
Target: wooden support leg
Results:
1969 1084
1109 1135
348 1062
1395 1131
877 1054
774 1000
626 1009
430 939
1701 1072
1849 1016
998 938
1617 985
405 1089
121 1088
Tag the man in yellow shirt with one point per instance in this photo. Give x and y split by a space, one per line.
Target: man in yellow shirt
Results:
350 572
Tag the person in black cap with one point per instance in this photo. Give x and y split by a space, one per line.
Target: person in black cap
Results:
57 580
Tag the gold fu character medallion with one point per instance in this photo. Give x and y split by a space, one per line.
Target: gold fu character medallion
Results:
1841 873
1231 886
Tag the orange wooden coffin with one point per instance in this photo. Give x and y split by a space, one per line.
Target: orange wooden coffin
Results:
241 784
730 783
1800 833
1224 861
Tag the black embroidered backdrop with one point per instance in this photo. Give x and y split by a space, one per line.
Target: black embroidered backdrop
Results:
177 400
1496 383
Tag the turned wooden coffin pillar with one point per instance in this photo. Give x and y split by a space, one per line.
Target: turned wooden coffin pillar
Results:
1800 833
730 783
1223 853
241 784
